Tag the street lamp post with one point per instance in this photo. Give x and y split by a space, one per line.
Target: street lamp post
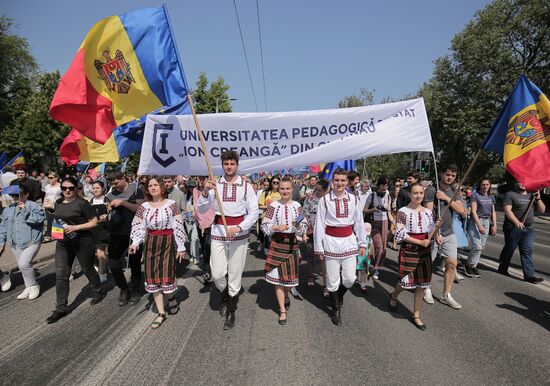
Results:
217 104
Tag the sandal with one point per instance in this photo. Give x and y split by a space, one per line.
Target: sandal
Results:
173 309
287 303
282 322
325 293
160 318
418 325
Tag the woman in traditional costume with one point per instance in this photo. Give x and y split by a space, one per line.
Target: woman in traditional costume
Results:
159 224
283 221
414 224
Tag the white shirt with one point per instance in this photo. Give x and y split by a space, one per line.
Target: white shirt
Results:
384 201
279 214
53 193
167 216
238 199
339 212
413 221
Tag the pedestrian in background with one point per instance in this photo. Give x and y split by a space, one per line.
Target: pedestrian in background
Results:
52 193
519 230
481 224
101 233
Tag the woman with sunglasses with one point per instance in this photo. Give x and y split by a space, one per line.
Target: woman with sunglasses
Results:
77 218
52 193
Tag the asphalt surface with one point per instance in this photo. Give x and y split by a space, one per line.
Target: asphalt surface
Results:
500 336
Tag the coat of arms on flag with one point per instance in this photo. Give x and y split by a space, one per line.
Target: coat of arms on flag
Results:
115 72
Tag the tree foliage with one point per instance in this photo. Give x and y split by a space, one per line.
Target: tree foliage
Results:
17 71
469 85
392 166
207 96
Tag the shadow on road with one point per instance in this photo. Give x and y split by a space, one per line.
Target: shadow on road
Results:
534 309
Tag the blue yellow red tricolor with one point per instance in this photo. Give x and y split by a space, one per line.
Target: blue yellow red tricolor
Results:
521 133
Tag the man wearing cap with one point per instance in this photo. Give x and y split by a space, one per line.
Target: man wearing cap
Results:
229 248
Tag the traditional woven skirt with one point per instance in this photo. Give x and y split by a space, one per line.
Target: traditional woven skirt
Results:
282 260
415 266
159 257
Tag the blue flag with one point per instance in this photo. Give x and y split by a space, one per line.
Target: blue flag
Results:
329 168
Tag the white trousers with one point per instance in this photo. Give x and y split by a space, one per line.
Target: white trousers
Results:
347 266
228 258
24 257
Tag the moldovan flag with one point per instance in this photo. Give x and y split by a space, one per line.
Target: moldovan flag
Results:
17 162
521 133
76 148
126 67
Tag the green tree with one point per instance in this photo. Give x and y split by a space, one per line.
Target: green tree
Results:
17 71
33 131
504 40
211 97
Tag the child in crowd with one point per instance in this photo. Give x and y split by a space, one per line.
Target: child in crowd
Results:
364 265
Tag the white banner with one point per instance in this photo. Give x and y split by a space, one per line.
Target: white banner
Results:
269 141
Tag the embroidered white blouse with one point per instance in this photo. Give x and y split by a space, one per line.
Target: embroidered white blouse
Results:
238 199
339 212
279 214
167 216
413 221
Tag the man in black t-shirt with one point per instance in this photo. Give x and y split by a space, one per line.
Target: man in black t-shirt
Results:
519 230
125 199
34 187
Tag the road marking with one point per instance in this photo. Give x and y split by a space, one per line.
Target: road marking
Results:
514 272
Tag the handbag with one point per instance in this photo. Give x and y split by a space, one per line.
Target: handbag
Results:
369 217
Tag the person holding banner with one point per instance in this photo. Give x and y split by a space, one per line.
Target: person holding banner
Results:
283 221
229 246
339 237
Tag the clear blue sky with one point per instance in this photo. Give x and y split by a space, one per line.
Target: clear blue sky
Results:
315 51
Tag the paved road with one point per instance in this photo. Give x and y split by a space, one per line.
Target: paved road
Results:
499 337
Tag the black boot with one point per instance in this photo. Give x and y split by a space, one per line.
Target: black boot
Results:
335 303
230 317
341 292
223 304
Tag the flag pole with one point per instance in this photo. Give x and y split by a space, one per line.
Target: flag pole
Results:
439 222
528 209
205 151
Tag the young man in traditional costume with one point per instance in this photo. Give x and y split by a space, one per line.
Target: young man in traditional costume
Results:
339 236
229 248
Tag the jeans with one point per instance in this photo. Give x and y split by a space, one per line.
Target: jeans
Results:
24 257
477 239
193 239
524 238
49 223
65 252
118 244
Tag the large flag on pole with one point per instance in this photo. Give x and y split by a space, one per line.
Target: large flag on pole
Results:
126 67
521 133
